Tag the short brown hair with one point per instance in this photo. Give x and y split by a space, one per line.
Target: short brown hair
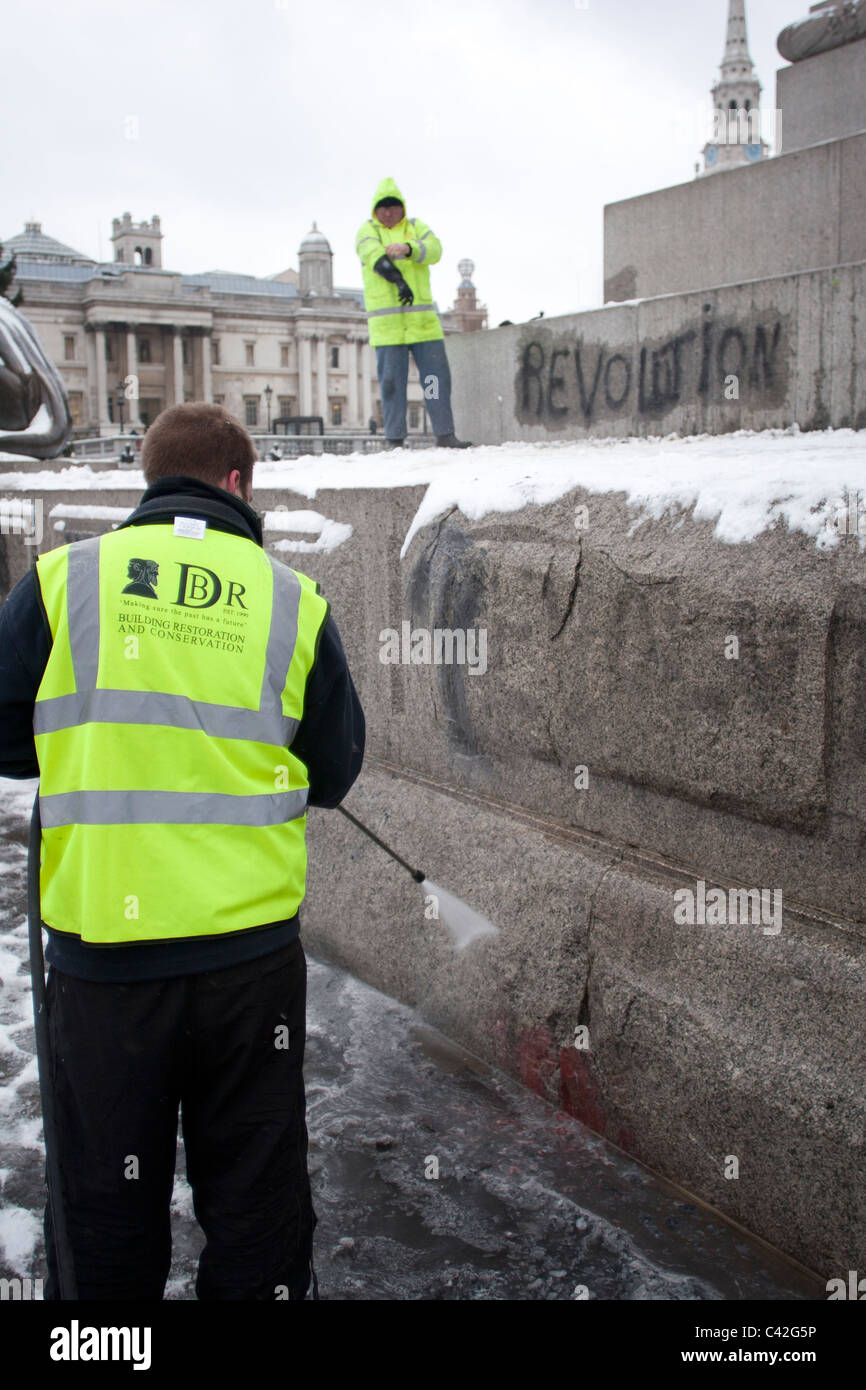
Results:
199 441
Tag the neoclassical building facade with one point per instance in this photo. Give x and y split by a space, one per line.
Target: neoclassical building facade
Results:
131 337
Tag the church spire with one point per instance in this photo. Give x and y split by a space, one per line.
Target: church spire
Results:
736 62
736 136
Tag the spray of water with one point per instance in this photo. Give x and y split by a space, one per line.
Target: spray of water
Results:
464 924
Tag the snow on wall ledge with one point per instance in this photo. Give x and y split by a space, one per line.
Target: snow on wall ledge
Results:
745 483
672 700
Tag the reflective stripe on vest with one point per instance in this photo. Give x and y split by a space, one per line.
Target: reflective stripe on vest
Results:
158 707
169 808
401 309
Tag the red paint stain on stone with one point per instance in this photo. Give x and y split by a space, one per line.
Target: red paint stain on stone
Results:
579 1094
536 1061
564 1076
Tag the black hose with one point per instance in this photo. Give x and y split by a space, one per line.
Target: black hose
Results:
65 1267
418 876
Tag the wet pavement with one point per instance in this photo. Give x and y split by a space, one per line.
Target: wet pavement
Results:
434 1176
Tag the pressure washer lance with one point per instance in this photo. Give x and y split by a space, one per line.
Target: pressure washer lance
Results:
65 1267
463 922
418 876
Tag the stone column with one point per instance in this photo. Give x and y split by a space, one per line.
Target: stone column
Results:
206 375
322 377
366 381
131 402
103 423
353 420
305 373
177 346
90 390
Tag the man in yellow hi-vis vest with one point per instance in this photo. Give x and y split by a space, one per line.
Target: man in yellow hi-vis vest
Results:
187 698
396 253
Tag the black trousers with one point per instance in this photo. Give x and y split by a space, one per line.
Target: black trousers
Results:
227 1046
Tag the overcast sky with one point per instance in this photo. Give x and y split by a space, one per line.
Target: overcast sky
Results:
508 125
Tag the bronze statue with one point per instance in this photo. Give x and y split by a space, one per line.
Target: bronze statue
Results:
835 25
34 406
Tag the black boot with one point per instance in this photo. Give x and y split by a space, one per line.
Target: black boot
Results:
394 443
450 441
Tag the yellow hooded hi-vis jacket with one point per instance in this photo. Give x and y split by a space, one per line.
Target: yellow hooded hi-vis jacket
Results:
388 320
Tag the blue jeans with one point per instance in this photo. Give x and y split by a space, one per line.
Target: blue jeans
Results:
392 365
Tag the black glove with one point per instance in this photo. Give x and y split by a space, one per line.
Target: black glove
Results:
387 269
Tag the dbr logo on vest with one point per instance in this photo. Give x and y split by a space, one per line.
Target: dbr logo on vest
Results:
201 588
198 587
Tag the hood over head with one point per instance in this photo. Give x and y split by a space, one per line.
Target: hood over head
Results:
387 189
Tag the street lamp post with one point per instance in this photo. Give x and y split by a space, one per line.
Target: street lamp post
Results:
269 391
121 398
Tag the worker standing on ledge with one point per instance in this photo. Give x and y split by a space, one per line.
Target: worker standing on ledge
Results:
190 698
396 252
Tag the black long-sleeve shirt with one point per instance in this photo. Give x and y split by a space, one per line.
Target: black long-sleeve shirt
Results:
329 740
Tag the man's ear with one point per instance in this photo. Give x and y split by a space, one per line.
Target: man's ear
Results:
233 482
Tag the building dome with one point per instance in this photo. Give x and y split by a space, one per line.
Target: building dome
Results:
315 260
314 241
33 245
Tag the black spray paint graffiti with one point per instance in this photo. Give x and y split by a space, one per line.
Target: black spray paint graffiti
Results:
557 383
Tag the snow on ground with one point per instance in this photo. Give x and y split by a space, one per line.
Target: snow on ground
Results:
745 481
527 1205
20 1113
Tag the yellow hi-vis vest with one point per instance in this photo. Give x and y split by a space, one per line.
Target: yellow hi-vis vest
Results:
171 805
388 321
